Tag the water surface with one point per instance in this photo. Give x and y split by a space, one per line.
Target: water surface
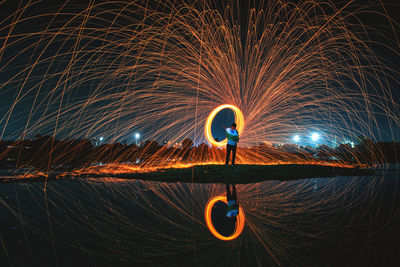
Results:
336 221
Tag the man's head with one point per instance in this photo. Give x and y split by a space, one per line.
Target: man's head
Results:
234 125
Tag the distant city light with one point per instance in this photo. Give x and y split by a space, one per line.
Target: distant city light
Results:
296 138
101 138
137 136
346 141
314 137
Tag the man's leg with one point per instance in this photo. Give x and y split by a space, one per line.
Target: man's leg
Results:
228 153
228 193
234 192
233 154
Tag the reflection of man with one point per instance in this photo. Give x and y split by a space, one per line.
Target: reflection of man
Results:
233 207
233 137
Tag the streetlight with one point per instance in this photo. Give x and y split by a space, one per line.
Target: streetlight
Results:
314 138
99 141
137 136
296 139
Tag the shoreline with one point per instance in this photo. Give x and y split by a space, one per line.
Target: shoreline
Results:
212 173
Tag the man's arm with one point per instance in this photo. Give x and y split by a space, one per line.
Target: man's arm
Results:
232 137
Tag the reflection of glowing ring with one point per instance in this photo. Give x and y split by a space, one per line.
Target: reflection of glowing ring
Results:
239 223
238 118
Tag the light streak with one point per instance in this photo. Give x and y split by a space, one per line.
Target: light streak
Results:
239 223
239 119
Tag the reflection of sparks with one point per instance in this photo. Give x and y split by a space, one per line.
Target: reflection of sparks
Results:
277 212
239 223
239 119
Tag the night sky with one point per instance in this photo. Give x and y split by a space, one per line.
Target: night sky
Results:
18 120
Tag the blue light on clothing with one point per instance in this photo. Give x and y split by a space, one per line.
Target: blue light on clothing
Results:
232 135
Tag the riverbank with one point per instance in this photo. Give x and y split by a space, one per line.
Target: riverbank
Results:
238 174
211 173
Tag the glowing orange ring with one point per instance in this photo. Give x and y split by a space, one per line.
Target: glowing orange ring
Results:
238 118
239 223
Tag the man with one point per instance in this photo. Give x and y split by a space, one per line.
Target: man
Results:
233 138
233 207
